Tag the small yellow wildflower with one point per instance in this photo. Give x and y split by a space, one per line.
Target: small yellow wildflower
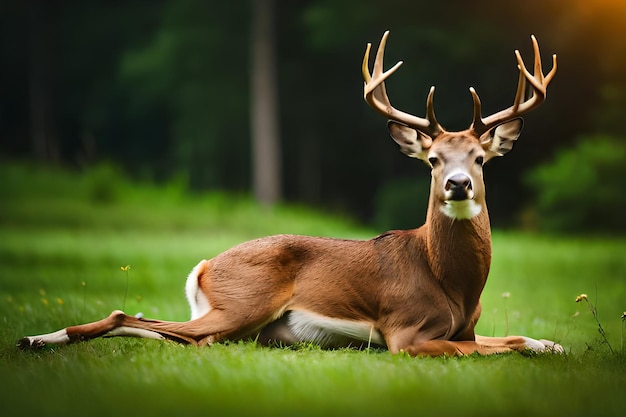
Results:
59 301
125 268
581 297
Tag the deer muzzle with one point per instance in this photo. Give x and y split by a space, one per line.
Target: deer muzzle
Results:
458 188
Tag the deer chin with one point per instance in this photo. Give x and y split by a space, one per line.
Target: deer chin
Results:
461 209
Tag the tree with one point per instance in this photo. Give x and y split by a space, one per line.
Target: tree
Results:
266 155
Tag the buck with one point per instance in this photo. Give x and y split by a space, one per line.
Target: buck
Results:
415 291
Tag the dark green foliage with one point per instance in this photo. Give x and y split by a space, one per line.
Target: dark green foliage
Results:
583 189
402 204
104 184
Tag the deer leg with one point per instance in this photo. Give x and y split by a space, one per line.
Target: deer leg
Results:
116 324
214 326
482 346
454 348
415 342
74 333
519 343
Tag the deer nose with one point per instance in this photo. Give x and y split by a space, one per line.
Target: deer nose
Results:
458 187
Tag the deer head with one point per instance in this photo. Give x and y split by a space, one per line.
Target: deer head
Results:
456 158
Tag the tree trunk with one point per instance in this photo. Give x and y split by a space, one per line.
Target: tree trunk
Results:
266 156
43 143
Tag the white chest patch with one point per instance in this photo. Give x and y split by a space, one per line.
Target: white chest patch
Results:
461 210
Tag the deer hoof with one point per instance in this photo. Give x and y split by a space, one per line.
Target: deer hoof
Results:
29 343
551 347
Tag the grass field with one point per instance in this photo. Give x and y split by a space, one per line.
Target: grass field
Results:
64 238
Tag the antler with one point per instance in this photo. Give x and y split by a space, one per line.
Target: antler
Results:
520 105
376 95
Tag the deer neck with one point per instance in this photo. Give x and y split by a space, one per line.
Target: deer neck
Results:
459 252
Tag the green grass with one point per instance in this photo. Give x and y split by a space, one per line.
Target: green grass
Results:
63 239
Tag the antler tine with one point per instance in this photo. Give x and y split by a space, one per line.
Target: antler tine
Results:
521 90
375 94
537 70
378 75
430 110
521 105
477 123
365 67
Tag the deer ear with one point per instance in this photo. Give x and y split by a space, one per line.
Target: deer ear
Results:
500 139
412 142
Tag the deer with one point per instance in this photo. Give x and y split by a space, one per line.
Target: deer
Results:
413 291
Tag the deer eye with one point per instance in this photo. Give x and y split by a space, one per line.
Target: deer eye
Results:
433 161
480 160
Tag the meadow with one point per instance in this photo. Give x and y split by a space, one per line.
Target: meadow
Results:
65 243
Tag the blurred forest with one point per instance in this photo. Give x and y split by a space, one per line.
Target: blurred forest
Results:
162 89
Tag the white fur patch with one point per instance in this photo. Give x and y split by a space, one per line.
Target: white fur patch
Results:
461 210
59 337
324 330
198 302
533 344
552 347
542 345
